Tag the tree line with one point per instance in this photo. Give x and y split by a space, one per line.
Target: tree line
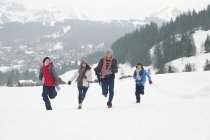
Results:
174 37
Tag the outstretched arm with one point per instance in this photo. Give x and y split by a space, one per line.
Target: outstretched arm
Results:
57 79
149 77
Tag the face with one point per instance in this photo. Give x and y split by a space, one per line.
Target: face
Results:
46 62
139 67
84 65
108 54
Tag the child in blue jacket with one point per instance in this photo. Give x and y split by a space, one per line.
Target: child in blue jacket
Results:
140 77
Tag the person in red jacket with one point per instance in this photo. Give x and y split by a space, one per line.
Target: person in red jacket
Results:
50 81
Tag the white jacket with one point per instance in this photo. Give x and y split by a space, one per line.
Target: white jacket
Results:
86 82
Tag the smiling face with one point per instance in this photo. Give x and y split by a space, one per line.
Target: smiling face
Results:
139 67
46 62
84 65
108 54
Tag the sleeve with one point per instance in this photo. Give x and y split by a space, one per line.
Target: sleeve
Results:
134 75
89 75
114 66
76 74
148 76
99 67
40 74
57 79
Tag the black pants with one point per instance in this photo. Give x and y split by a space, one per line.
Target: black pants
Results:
139 91
48 92
82 93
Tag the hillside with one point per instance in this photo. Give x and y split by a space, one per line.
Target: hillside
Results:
182 37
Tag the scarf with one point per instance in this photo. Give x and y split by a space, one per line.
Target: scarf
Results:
104 68
139 73
79 80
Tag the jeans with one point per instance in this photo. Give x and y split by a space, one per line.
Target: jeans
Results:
107 85
82 93
139 90
48 92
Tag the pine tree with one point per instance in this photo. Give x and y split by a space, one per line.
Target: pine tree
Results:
188 67
9 82
207 44
207 65
170 69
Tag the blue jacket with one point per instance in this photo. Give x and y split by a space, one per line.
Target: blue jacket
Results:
142 74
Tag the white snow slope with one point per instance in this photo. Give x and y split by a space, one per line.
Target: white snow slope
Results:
199 60
175 107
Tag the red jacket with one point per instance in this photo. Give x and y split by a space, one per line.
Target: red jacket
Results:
48 76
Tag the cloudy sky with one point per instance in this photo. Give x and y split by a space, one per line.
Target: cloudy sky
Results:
117 9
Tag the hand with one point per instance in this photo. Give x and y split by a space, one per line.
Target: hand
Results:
69 82
40 82
150 82
139 78
85 77
63 82
58 88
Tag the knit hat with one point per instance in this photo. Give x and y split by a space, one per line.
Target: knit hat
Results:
109 51
45 59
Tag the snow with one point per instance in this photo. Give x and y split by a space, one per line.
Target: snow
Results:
66 29
198 61
58 46
199 38
4 68
175 107
24 81
167 13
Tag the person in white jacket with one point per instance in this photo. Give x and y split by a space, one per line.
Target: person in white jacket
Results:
83 77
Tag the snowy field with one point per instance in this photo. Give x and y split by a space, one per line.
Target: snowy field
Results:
175 107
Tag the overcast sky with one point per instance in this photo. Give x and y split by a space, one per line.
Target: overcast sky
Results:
121 9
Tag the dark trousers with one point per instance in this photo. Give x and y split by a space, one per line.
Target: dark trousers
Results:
48 93
139 91
107 85
82 93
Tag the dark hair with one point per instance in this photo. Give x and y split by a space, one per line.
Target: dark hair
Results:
45 59
87 66
140 65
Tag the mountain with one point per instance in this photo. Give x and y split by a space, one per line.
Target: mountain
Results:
16 12
172 40
167 13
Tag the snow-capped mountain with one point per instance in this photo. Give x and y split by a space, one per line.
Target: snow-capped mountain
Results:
16 12
166 13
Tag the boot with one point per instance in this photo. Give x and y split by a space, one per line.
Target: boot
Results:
80 106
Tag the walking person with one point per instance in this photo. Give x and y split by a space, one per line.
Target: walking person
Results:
140 78
83 78
105 71
50 82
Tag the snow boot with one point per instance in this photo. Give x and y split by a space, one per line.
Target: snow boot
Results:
80 106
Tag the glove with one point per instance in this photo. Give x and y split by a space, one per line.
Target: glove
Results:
69 82
85 77
150 82
58 88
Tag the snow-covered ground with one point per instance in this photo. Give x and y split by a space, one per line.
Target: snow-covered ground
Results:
175 107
